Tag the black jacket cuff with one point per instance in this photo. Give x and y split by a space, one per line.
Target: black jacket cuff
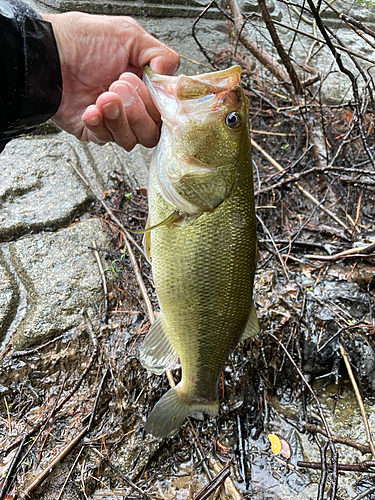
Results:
31 89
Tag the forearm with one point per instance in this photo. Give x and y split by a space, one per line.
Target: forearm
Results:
31 84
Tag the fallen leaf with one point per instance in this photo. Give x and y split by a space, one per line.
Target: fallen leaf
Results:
275 443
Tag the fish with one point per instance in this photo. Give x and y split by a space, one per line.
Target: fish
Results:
200 238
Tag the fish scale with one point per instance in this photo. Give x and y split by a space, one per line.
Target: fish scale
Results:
203 269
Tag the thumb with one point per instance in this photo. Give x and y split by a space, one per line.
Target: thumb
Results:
166 64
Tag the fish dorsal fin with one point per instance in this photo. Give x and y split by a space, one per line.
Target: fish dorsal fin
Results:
146 241
157 353
252 326
173 217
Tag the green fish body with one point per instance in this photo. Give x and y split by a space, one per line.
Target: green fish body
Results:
204 250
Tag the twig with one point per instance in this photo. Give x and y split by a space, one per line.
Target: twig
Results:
108 210
298 185
12 468
91 421
264 132
365 466
359 399
366 182
70 473
363 448
279 47
285 270
211 68
263 57
105 486
364 251
126 480
357 24
214 484
42 476
83 487
204 52
19 354
321 40
8 415
356 255
229 484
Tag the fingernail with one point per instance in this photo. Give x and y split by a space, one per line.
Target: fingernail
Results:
175 68
111 110
93 121
125 94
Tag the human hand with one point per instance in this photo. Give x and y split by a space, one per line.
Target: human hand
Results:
104 98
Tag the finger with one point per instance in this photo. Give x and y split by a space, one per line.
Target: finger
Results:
166 64
115 120
143 93
106 115
95 131
148 50
140 122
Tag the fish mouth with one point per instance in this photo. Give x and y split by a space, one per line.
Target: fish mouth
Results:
170 92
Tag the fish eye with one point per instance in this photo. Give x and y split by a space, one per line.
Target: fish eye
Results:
233 120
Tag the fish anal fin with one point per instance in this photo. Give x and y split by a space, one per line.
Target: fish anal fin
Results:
171 411
157 353
252 326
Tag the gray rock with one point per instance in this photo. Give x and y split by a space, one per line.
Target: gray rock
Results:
111 157
136 8
9 297
61 277
38 187
177 32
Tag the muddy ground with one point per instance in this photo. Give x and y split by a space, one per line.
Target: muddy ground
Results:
75 409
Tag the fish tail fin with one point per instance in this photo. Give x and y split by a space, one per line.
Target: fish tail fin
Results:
170 412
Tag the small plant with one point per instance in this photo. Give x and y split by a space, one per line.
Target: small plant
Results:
112 268
114 271
123 251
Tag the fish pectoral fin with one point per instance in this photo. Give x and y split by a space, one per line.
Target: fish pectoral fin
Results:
175 216
170 412
157 353
146 241
252 326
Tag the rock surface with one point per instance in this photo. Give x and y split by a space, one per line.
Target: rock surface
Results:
9 296
38 187
40 191
60 278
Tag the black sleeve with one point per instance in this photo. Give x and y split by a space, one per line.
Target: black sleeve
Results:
30 73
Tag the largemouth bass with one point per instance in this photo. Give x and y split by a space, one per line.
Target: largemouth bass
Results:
201 238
